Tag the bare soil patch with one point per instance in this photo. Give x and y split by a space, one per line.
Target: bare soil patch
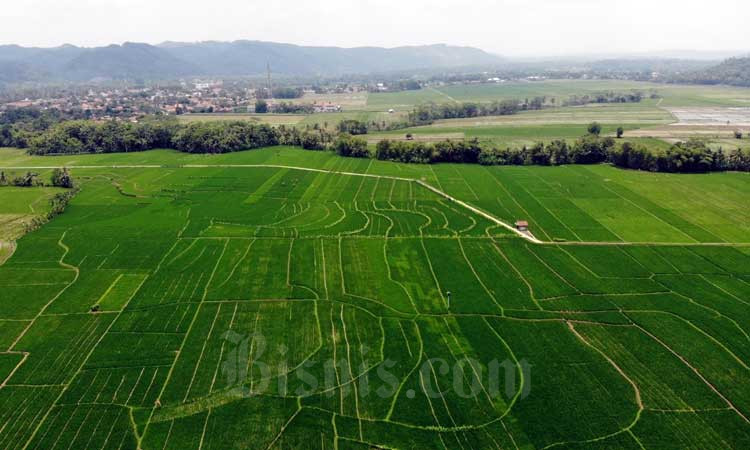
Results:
712 116
6 251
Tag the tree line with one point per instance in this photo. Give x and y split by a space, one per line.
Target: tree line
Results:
428 153
280 92
222 137
606 97
693 156
60 178
19 125
427 113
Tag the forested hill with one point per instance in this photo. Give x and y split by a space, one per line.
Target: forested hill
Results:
733 71
174 60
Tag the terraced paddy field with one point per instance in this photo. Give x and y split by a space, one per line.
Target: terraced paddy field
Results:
20 206
601 203
246 301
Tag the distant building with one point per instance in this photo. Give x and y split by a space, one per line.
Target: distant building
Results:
21 104
522 225
326 108
204 86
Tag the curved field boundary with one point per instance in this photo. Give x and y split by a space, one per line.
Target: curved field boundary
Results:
6 250
525 235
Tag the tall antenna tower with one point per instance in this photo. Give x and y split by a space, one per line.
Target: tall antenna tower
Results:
268 69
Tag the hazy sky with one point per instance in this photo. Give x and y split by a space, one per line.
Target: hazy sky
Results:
510 27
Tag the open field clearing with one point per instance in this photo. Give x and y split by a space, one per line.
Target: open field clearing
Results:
705 96
712 116
348 101
717 136
274 307
717 125
530 127
673 95
272 119
501 91
645 113
506 135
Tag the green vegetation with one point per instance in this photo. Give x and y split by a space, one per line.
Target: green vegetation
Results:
226 137
502 116
733 71
21 207
693 156
147 313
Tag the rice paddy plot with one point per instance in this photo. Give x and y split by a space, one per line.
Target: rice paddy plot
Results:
270 307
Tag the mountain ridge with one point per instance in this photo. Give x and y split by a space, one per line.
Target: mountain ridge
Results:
172 59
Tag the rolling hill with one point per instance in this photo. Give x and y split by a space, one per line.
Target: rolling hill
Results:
733 71
239 58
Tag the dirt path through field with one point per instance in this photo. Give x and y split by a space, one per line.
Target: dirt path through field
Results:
523 234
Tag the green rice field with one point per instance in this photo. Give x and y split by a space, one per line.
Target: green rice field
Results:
281 298
650 121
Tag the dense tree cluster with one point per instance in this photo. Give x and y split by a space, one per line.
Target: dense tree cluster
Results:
590 149
261 106
61 178
116 137
737 159
29 179
429 112
426 153
396 85
350 146
292 108
60 201
693 156
314 138
408 85
14 136
287 92
352 126
82 136
19 125
604 97
223 137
